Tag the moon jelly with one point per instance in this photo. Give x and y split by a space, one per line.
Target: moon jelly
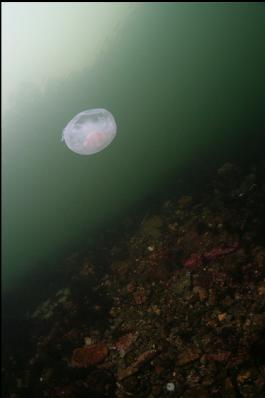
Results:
90 131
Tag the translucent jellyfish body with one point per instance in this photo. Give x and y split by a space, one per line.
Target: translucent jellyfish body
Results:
90 131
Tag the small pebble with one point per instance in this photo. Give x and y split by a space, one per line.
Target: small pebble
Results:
170 387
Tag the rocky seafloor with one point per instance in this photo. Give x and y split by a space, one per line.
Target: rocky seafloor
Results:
173 308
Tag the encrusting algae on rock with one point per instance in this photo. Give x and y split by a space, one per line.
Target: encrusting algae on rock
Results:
173 307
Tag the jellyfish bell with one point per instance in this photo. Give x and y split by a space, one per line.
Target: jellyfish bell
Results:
90 131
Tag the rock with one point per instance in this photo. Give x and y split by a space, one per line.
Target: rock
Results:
194 261
131 287
88 269
47 309
261 289
228 171
219 357
184 201
243 376
64 391
229 388
187 356
154 309
203 293
90 355
220 251
88 340
170 387
141 360
125 342
182 284
212 297
222 317
140 296
151 227
114 312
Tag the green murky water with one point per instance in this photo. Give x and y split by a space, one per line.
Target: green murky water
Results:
185 83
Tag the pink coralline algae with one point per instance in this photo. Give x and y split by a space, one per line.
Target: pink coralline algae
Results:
219 251
196 260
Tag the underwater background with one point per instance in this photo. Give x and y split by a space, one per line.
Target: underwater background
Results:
139 270
185 83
